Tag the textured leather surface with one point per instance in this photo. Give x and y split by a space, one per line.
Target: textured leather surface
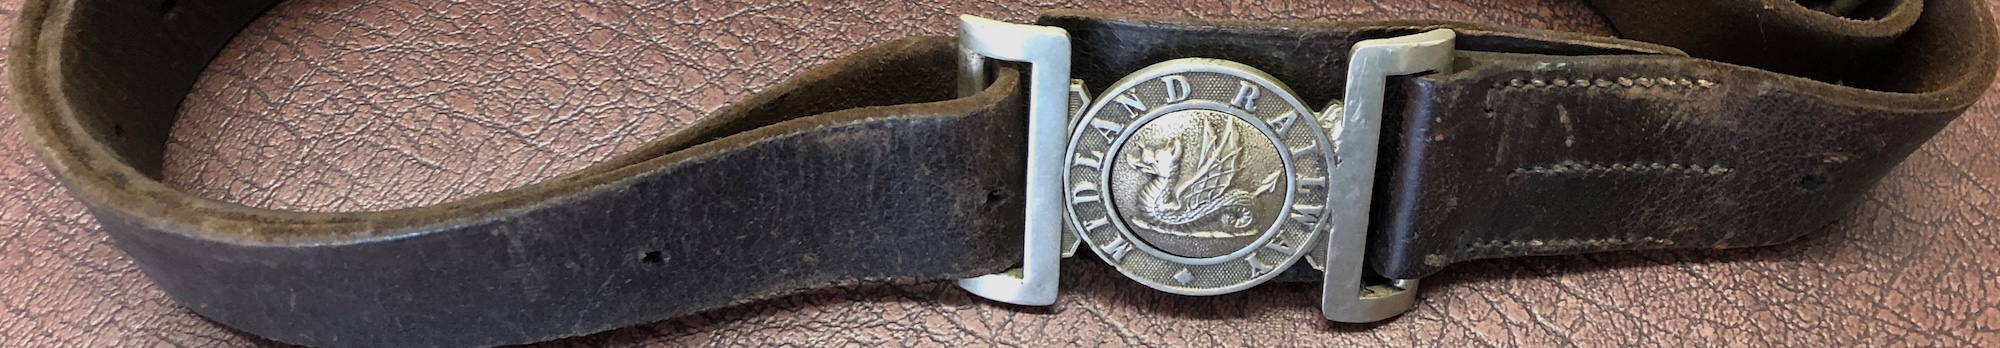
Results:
1523 154
1552 143
1904 268
866 167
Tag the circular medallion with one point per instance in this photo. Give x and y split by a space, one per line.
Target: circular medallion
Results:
1198 176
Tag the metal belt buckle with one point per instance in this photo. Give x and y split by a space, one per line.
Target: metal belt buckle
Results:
1199 176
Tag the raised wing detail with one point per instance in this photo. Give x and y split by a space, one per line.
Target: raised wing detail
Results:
1179 205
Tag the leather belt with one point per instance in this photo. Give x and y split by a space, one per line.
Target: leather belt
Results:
924 159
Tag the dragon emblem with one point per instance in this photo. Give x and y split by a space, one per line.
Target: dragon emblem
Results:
1180 205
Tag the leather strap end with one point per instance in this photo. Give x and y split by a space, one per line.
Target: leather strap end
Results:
1521 154
866 168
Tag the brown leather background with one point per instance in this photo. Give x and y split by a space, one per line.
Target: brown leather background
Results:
371 105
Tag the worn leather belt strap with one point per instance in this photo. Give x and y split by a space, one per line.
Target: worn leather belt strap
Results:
1741 123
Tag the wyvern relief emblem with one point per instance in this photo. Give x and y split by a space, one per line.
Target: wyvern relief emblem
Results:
1180 204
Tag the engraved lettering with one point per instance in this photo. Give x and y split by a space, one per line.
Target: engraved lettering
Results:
1201 182
1093 160
1117 248
1303 151
1108 128
1246 96
1278 246
1284 122
1319 182
1177 87
1131 102
1085 192
1092 225
1308 214
1257 268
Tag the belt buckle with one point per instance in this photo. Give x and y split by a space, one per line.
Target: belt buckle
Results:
1199 176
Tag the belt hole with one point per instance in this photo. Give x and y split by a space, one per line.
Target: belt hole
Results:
997 195
167 8
1811 182
654 257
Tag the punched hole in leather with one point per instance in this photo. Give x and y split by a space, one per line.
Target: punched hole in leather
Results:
1555 143
1738 146
1757 141
925 183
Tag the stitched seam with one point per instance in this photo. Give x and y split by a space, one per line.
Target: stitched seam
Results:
1575 168
1560 243
1621 82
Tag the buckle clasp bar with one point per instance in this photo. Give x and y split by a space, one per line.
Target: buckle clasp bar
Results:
1344 296
1348 295
1047 49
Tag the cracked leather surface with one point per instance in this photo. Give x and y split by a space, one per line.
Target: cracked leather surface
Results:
351 105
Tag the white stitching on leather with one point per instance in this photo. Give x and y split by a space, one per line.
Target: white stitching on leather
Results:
1641 82
1562 244
1571 168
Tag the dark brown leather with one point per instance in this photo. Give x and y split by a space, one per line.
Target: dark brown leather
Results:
1197 321
864 168
1570 143
1522 154
1314 61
